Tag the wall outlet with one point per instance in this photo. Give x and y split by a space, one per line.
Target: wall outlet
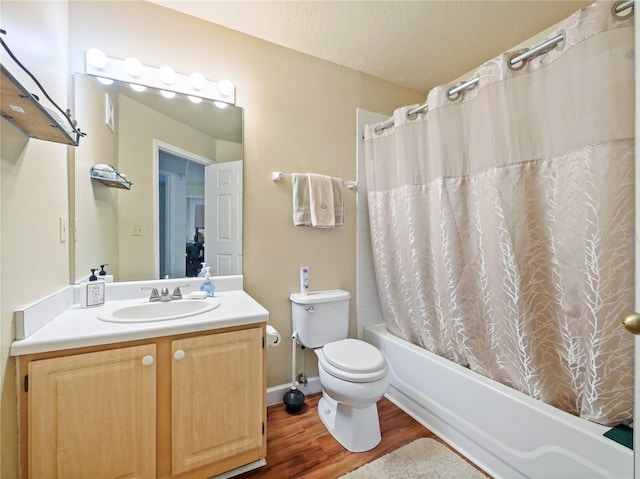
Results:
64 229
138 230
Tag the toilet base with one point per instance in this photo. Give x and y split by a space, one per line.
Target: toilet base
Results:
357 430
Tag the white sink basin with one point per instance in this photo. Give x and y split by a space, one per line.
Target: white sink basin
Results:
160 311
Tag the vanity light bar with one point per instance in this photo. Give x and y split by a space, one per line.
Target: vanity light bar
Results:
114 68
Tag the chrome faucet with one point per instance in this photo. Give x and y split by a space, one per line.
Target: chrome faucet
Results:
154 294
177 294
164 295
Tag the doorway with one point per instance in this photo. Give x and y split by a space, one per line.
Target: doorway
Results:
180 189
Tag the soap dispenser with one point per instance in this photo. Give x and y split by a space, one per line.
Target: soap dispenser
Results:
92 292
203 270
207 285
107 278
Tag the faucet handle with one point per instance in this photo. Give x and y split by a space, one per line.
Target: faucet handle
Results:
177 294
154 294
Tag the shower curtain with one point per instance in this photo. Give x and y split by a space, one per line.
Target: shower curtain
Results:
502 222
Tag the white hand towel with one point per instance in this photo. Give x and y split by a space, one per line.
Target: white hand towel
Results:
338 201
321 201
301 212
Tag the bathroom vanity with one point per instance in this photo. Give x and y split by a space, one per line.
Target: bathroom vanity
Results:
154 399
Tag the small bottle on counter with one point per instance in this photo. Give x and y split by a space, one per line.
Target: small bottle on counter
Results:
107 278
207 285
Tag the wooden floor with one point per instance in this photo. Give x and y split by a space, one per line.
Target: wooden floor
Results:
299 446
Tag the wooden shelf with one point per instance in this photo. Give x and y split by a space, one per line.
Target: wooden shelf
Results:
26 113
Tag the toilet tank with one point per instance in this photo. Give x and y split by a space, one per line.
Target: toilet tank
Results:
320 317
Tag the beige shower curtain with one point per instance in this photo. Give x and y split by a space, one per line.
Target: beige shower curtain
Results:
502 222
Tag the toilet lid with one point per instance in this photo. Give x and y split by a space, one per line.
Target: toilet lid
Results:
354 356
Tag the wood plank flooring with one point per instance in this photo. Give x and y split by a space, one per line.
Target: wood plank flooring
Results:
299 446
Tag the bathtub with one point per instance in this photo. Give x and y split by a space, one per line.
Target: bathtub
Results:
503 431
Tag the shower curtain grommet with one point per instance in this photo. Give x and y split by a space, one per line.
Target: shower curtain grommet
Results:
453 96
454 93
516 66
560 45
618 14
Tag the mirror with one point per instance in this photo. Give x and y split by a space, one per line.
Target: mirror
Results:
184 162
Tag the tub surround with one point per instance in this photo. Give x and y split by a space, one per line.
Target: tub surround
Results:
55 323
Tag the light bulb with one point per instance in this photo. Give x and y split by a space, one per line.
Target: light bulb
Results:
133 67
225 87
197 80
194 99
96 58
105 81
138 88
167 75
220 104
167 94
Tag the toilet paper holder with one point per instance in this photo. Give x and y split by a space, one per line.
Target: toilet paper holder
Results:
273 336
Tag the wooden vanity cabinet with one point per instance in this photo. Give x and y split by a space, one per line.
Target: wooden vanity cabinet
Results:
184 406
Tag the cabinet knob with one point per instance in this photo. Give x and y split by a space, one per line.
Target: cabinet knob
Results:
147 360
179 354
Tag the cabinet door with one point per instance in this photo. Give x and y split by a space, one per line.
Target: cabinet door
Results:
217 400
93 415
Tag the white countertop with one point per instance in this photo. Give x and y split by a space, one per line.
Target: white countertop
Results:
77 327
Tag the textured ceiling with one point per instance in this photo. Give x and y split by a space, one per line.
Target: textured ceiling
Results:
418 44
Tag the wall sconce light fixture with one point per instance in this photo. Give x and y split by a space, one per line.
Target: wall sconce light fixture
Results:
133 71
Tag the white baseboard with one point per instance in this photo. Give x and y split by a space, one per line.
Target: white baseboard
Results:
275 393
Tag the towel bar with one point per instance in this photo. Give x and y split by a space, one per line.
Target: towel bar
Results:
278 175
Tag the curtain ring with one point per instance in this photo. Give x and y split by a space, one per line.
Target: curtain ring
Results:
516 66
558 42
453 96
629 8
455 92
413 113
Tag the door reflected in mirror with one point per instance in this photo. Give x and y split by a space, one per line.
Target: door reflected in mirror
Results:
185 164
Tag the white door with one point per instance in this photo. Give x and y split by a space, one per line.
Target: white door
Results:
223 218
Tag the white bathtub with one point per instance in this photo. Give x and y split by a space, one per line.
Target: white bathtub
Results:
506 433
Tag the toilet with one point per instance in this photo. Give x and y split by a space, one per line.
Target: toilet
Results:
353 374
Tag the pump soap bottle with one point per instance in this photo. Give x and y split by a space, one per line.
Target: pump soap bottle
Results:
92 293
107 278
207 285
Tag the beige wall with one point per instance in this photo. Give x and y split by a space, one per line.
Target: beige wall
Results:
97 221
33 191
139 126
300 115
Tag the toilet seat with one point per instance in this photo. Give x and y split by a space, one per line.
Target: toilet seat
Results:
353 360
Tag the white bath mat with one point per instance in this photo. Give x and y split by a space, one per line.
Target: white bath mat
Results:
423 458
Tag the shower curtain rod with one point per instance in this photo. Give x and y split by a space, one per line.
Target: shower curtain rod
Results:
516 62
